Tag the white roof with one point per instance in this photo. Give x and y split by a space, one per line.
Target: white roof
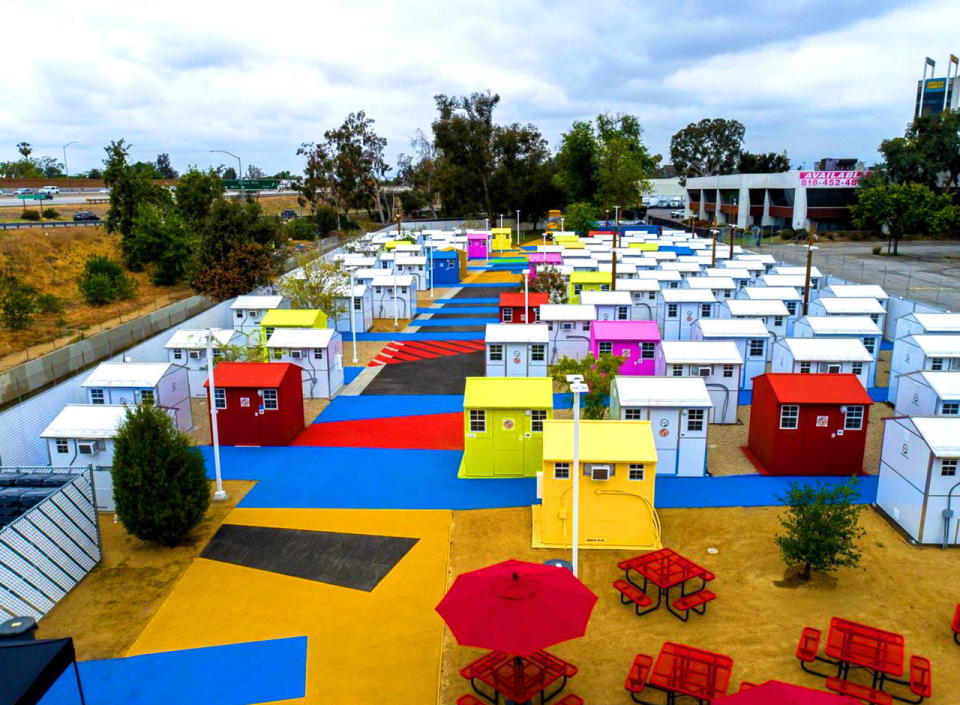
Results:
756 307
568 312
939 322
411 259
680 267
938 345
673 296
857 291
257 302
86 421
391 280
941 433
516 333
783 280
638 285
197 338
781 293
659 275
747 264
842 325
711 283
371 273
837 305
301 338
733 327
576 253
358 290
127 374
662 391
797 271
730 272
945 384
833 350
606 298
677 352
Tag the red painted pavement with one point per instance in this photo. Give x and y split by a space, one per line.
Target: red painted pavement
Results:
424 432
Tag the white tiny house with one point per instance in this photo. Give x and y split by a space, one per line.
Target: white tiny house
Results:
926 393
568 326
515 350
318 352
188 348
678 411
248 311
394 295
678 309
772 313
938 353
722 287
360 304
791 298
816 278
829 327
610 305
643 295
919 477
718 364
834 306
160 383
834 356
917 324
416 267
750 336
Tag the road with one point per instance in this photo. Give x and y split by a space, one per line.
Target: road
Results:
68 198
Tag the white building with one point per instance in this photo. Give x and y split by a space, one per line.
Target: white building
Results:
911 353
857 291
316 351
678 411
160 383
610 305
666 280
919 477
722 287
791 297
751 337
366 276
568 326
188 348
718 364
829 327
928 394
741 277
516 351
834 306
360 304
678 309
816 278
643 295
833 355
248 311
772 313
916 324
394 295
416 267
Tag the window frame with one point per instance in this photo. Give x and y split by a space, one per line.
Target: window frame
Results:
853 413
673 310
953 463
604 347
538 352
219 398
634 468
696 418
793 416
561 471
61 445
954 408
507 314
648 351
495 352
537 417
632 414
706 310
98 396
755 348
477 421
274 399
178 353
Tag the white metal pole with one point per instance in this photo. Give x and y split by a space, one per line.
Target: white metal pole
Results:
219 494
353 316
396 297
518 228
526 295
431 266
575 475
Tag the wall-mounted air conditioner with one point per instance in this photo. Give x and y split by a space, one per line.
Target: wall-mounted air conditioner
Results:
598 471
89 447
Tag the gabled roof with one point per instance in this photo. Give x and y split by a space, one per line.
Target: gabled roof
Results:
600 441
391 280
514 299
841 306
86 421
795 280
795 388
833 350
851 291
941 434
659 275
734 327
127 374
713 282
767 293
694 296
516 333
662 391
938 322
842 325
245 375
938 345
301 338
590 277
638 285
756 307
568 312
257 302
945 384
508 392
294 318
797 271
721 352
606 298
644 331
197 338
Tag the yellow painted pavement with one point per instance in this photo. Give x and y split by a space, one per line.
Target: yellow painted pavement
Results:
363 647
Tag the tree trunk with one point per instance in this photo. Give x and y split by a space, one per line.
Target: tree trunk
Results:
380 205
806 574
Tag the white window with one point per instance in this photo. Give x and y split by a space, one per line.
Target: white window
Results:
951 408
948 467
63 446
605 348
621 313
875 317
403 290
705 371
269 331
705 311
269 398
728 370
585 326
833 369
756 347
278 354
194 354
856 368
357 304
478 421
538 352
239 314
853 418
604 287
671 310
695 419
220 398
789 416
577 288
633 414
936 363
791 307
778 320
567 326
253 314
318 353
96 396
496 353
652 295
550 326
536 314
177 353
676 370
635 471
647 351
537 417
870 343
145 396
378 290
508 315
561 471
804 368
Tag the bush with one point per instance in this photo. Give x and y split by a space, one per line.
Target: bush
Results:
877 249
48 303
30 214
104 281
325 220
300 229
159 479
51 213
18 303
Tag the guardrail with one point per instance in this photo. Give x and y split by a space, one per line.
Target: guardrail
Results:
51 224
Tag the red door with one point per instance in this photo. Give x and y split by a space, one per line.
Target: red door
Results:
248 426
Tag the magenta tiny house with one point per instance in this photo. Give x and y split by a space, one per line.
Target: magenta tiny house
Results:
636 341
477 245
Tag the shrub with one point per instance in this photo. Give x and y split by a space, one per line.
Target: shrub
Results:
30 214
18 303
51 213
877 249
300 229
48 303
104 281
159 480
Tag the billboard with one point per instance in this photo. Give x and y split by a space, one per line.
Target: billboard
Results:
831 178
936 92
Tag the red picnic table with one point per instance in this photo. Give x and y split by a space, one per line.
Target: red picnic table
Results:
518 679
666 569
685 670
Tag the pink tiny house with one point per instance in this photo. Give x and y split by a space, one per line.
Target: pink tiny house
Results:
477 245
636 341
547 258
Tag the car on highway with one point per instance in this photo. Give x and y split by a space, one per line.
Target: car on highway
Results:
23 192
676 214
288 214
50 189
85 216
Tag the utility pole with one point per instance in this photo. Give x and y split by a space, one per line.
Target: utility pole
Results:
732 233
578 387
713 255
613 260
806 281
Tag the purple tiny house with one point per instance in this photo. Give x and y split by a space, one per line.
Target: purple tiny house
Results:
477 245
637 341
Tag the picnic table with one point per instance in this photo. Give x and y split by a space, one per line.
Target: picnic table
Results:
685 670
518 679
666 569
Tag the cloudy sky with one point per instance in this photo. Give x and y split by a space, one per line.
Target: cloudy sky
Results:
815 77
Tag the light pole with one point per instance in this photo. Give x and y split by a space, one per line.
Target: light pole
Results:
431 266
353 315
239 165
518 228
220 494
806 281
501 221
396 297
613 260
578 387
526 295
66 169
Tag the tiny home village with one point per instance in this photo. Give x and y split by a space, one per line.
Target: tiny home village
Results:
448 411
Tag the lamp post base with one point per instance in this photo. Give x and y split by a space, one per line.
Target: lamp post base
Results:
220 496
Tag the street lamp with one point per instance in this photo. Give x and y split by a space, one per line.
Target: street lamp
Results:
613 260
353 315
220 494
526 295
501 221
518 228
239 165
578 387
65 168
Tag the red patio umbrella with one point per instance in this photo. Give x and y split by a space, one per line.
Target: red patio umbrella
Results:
517 607
780 693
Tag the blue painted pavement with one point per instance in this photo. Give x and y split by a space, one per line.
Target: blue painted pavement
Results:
459 309
235 674
886 344
744 490
351 373
385 337
484 285
878 393
481 300
381 406
426 322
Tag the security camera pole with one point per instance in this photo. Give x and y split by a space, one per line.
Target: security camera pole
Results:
578 387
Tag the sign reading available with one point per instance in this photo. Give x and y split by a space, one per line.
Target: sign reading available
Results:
830 178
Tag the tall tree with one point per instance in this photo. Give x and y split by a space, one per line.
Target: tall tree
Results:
164 167
316 188
229 173
577 163
928 153
900 209
196 192
25 149
711 146
254 172
523 174
357 163
318 285
598 375
763 163
423 175
623 162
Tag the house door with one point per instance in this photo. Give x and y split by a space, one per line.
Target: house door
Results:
508 429
664 424
247 418
516 360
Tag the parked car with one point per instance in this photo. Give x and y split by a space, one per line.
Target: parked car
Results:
288 214
50 189
81 216
23 191
676 214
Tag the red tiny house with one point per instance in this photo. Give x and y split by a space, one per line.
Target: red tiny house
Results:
512 307
808 424
258 403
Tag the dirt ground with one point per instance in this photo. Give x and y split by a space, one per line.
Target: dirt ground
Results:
200 433
366 351
112 605
385 325
758 614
